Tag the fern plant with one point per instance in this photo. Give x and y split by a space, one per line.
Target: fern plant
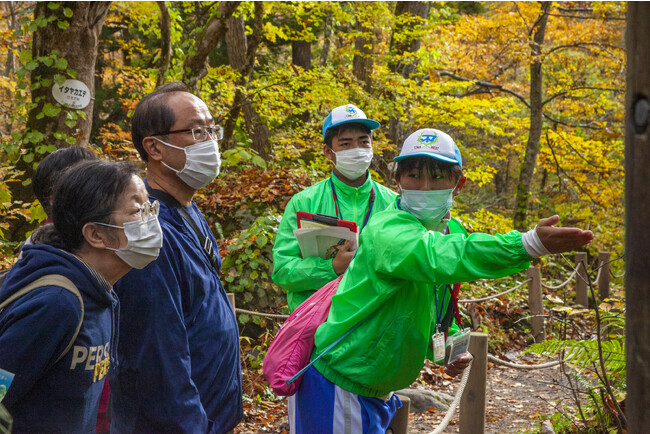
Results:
603 359
584 355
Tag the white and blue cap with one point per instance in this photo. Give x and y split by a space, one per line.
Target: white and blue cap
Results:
431 143
347 114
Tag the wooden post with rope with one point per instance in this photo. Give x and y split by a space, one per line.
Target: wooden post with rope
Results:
582 297
535 303
603 275
472 403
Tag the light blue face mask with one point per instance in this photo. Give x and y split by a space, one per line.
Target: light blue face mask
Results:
431 207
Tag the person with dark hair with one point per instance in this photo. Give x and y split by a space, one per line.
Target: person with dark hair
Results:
58 321
50 169
178 352
349 194
389 303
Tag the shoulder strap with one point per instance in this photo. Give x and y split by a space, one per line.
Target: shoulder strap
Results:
51 280
205 242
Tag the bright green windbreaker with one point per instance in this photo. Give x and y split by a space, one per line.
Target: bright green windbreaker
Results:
390 282
300 277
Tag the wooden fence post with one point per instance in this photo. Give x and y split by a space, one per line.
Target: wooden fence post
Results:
582 298
472 403
603 278
231 298
535 304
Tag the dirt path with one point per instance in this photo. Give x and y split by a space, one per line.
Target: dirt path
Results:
516 401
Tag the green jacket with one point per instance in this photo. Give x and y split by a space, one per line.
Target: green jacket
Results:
301 277
390 282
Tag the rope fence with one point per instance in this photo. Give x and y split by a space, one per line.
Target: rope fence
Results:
561 285
478 300
496 360
601 281
267 315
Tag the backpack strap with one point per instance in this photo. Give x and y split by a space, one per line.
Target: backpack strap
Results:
205 242
51 280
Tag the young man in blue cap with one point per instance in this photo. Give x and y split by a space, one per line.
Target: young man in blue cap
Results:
349 194
395 290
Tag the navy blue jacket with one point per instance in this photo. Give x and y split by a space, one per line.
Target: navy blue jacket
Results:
179 365
35 329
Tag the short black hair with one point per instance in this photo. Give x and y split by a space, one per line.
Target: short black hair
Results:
87 192
153 115
436 168
51 168
336 130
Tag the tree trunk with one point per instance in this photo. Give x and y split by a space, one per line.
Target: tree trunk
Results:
165 42
527 168
362 63
400 46
637 215
10 64
406 45
241 55
77 44
301 54
326 39
194 67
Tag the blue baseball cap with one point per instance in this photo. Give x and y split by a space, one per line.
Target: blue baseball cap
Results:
431 143
347 114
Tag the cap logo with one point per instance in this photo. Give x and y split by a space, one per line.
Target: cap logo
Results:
351 111
427 139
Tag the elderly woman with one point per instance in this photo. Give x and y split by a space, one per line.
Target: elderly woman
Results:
58 335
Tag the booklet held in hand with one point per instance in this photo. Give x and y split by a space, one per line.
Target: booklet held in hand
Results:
321 235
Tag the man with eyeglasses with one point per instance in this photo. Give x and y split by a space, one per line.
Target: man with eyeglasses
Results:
178 354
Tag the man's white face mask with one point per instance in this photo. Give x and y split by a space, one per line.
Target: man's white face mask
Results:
353 163
202 163
431 207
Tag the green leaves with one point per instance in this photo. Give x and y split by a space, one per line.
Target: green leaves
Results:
25 56
50 110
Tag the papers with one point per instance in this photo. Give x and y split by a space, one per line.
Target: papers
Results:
457 345
323 241
321 235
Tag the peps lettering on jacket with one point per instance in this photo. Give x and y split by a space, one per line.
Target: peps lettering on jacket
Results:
95 358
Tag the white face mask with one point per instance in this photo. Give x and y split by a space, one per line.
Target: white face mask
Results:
202 163
144 241
353 163
431 207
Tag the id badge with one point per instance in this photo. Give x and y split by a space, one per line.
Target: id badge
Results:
438 340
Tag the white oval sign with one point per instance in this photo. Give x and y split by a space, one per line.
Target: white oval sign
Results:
73 93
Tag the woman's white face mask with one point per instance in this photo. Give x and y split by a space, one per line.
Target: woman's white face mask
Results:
144 240
353 163
202 163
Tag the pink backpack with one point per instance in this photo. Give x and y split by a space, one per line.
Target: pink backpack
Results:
288 356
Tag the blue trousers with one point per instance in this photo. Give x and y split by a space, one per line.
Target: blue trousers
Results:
322 407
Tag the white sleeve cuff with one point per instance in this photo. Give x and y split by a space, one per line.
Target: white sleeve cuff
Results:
533 244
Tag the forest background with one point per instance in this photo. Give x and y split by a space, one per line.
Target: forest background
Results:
532 92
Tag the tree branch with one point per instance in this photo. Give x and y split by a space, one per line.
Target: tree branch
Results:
604 89
485 84
214 30
583 45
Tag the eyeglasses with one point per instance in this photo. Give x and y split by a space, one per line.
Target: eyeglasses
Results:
199 133
149 210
